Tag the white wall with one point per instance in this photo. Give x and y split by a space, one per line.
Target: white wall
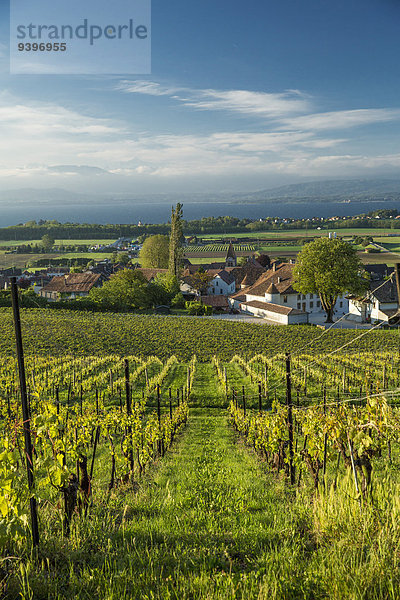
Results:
218 284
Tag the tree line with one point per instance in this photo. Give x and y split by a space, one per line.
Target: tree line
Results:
33 230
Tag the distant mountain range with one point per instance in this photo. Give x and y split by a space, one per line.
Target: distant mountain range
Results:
334 190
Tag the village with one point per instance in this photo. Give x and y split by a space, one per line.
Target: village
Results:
253 287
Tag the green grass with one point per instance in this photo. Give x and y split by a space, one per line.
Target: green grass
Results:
209 522
276 248
88 255
21 260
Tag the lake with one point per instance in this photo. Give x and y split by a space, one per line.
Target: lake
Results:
132 212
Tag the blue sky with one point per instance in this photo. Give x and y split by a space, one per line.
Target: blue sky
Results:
242 96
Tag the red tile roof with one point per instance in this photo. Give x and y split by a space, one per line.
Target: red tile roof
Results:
215 301
281 278
72 283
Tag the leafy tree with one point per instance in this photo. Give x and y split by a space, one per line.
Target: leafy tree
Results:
175 240
178 301
201 281
154 253
127 289
123 258
164 287
169 283
47 242
328 268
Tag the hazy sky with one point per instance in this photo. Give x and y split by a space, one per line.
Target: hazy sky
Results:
242 96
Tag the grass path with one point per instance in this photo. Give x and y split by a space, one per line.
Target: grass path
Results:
206 390
209 525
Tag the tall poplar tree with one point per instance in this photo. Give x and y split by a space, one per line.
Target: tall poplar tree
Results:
175 240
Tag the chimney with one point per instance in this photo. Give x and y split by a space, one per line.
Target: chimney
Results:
274 267
279 279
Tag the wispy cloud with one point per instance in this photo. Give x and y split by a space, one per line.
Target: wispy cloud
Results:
243 102
291 110
342 119
48 142
50 119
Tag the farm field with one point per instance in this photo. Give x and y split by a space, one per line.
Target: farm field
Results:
57 242
362 231
197 502
220 248
21 260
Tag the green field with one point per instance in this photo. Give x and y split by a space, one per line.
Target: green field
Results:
343 232
58 242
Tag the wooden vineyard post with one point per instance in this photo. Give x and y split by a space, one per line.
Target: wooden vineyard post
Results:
265 377
290 418
128 410
305 380
127 388
170 404
260 398
161 442
244 401
25 412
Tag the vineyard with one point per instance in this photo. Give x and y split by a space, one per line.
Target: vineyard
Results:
221 248
55 333
198 478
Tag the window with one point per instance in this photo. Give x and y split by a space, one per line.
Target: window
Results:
341 304
318 304
298 305
221 291
298 296
311 304
285 299
216 283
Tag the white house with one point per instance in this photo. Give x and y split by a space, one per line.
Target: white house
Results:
222 283
380 303
273 297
